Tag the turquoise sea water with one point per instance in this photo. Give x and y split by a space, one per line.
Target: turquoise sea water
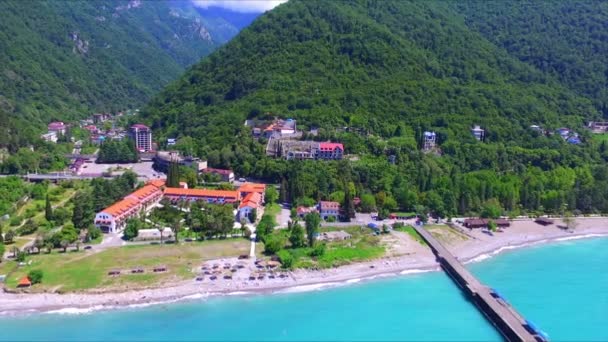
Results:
562 288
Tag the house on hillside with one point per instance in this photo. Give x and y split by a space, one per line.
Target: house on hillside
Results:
478 132
329 151
58 127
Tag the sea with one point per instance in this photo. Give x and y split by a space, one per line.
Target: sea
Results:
561 287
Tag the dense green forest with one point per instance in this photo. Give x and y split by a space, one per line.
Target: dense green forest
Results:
375 75
62 60
567 40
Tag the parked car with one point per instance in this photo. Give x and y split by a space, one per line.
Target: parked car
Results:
88 247
242 180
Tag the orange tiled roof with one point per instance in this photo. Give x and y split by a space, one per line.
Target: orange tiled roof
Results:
121 206
251 200
326 205
157 182
25 281
144 192
252 187
202 193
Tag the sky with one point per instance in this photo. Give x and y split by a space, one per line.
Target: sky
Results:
247 6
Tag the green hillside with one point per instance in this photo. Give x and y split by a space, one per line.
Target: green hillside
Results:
565 39
387 71
365 64
66 59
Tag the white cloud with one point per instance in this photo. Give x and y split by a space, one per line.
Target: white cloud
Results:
249 6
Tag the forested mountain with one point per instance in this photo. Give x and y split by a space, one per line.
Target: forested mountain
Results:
66 59
367 64
565 39
375 75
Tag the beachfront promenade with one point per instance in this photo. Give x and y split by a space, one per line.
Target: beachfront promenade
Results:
502 315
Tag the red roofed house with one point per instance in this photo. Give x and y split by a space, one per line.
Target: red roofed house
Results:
303 211
227 175
57 127
329 209
248 188
330 151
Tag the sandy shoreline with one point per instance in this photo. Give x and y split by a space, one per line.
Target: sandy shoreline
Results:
419 259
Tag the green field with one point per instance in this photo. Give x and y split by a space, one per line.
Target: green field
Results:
76 271
362 245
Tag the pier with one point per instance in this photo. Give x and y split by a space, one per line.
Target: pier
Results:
503 316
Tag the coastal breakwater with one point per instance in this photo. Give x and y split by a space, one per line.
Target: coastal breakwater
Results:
503 316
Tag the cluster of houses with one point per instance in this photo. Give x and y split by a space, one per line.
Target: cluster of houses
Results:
113 218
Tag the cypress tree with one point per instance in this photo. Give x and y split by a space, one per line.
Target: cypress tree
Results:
173 175
48 210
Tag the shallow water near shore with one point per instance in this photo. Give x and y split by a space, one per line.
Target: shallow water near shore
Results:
561 287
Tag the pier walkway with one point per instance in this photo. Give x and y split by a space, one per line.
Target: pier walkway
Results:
502 315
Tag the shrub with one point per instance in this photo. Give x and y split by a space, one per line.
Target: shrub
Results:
319 250
20 256
15 221
35 276
93 233
286 258
273 244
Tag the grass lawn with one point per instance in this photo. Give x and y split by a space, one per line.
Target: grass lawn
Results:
411 232
362 245
84 270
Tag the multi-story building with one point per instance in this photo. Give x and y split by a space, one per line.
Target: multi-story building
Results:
163 159
329 209
142 136
329 151
113 218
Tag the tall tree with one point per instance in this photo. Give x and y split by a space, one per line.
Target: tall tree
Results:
296 237
312 227
173 175
48 209
347 206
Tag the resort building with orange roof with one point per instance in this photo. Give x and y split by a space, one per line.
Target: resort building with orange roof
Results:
113 218
251 202
207 195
